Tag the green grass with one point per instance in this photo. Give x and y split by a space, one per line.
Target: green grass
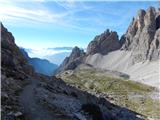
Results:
126 93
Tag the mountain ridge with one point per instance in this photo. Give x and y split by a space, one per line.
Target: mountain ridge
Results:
140 44
42 66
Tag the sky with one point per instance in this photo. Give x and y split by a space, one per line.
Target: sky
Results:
42 24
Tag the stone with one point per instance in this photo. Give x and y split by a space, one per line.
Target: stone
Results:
104 43
142 36
13 74
71 62
17 114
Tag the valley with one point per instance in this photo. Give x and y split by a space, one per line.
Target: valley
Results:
115 78
120 91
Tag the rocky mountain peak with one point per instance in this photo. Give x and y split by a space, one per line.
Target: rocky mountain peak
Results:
6 35
140 18
104 43
76 52
141 39
141 33
14 71
150 19
11 55
71 62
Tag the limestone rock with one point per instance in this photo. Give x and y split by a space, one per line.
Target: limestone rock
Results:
76 57
142 35
104 43
154 52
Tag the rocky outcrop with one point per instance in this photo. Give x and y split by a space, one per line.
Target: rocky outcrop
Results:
154 52
76 58
104 43
14 74
142 36
74 104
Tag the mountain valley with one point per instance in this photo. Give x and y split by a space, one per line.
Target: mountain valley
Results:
115 79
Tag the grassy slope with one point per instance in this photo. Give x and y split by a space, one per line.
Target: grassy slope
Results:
126 93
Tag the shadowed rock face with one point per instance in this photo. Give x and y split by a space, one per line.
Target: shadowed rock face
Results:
71 62
14 71
104 43
158 22
142 36
11 55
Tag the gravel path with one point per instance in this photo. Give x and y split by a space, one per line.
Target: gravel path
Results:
33 110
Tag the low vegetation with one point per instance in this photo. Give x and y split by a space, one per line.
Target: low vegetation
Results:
126 93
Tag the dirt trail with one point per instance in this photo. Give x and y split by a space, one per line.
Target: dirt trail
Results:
33 110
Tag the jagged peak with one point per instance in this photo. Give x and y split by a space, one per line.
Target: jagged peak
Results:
108 32
141 33
71 62
141 13
151 9
6 35
76 50
104 43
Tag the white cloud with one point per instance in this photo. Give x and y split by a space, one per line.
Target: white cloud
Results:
28 12
41 53
34 11
10 11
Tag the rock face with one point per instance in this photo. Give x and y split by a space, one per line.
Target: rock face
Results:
12 58
104 43
76 58
142 36
75 103
154 52
14 71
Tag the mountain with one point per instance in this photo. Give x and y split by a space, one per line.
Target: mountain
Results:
71 62
27 95
42 66
14 74
55 55
142 36
136 53
104 43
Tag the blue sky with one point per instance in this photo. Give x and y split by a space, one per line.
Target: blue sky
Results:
38 24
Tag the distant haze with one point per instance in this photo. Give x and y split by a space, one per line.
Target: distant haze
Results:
55 55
